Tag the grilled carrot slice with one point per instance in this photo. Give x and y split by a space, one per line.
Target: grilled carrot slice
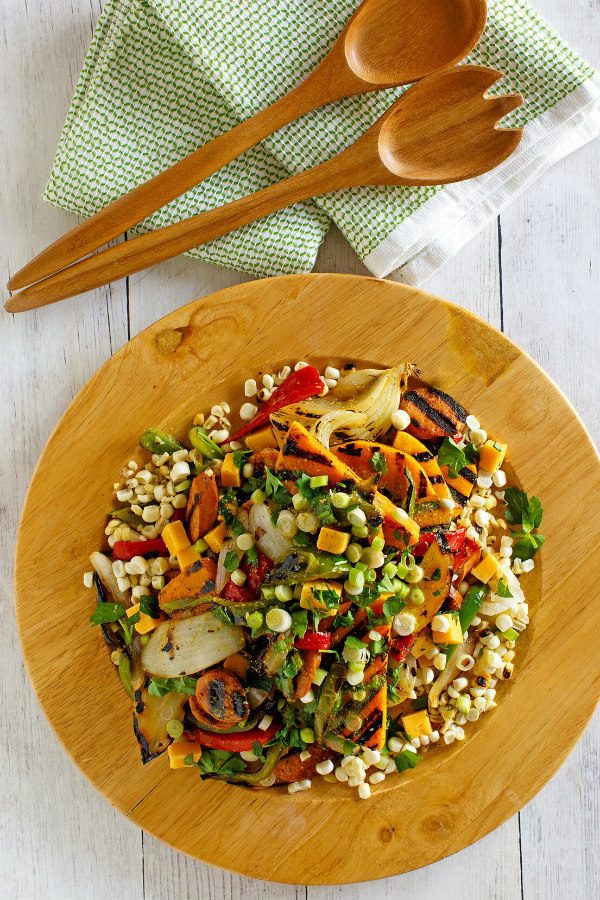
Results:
292 768
310 663
202 506
433 414
221 696
302 452
359 456
197 581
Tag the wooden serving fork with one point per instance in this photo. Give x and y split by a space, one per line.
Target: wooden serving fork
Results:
443 129
386 43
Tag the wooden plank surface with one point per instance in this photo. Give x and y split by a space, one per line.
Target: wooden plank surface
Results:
59 839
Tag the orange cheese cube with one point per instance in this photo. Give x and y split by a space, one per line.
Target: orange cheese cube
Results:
454 633
175 537
333 541
186 557
486 569
216 537
230 474
417 724
146 623
491 455
179 750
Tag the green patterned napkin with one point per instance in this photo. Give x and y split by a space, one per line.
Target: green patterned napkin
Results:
163 77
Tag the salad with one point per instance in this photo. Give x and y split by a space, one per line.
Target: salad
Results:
327 592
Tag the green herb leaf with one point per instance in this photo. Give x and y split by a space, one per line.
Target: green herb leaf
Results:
106 612
300 622
455 457
328 597
149 606
407 760
231 561
378 463
503 590
272 484
420 703
352 641
240 457
392 607
252 556
220 762
523 510
158 687
344 620
527 545
303 485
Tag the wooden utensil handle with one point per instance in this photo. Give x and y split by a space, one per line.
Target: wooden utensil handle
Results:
164 243
127 211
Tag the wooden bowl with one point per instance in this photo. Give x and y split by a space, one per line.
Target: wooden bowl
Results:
200 355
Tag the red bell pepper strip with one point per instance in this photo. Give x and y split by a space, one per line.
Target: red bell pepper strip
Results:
400 647
257 574
178 515
233 742
298 386
313 640
237 593
128 549
425 541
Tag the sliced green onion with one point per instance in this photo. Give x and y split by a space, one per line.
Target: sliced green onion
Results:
200 546
416 596
371 575
319 677
360 531
283 593
356 667
409 561
307 735
510 634
340 500
319 481
356 577
390 569
258 496
353 553
268 592
174 728
299 502
401 589
254 620
361 566
378 544
401 570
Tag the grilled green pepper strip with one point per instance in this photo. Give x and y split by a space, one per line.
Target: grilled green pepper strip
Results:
126 515
337 743
330 691
124 670
468 610
159 442
240 728
255 778
297 568
205 445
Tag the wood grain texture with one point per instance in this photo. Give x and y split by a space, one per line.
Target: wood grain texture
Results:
367 55
215 349
44 45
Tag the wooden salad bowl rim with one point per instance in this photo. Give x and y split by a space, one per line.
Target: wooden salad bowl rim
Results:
201 354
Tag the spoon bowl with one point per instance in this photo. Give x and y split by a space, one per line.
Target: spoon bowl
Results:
392 42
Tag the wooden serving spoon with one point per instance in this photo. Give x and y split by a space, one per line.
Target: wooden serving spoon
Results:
386 43
443 129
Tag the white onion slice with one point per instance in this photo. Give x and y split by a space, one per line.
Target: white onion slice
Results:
268 537
193 644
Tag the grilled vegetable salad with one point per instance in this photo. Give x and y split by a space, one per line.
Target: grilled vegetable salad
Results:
329 591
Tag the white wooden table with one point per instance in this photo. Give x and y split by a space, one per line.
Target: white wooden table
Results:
535 273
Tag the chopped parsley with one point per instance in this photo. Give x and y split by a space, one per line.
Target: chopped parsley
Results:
158 687
378 463
528 512
407 760
455 457
106 612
